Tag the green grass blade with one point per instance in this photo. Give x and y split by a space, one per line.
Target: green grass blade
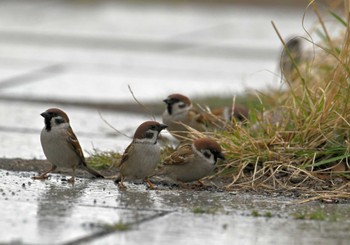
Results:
330 160
337 17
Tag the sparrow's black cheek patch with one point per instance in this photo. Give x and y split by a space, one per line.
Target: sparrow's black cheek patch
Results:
47 123
170 109
207 154
149 135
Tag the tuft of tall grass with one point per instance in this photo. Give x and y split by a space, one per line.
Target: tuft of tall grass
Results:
306 133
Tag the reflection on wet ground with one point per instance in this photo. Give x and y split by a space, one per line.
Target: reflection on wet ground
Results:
55 212
57 53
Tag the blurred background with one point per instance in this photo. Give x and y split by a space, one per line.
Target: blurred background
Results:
81 56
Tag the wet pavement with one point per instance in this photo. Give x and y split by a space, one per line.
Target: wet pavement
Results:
97 212
89 52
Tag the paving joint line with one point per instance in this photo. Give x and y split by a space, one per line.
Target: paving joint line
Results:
126 208
31 76
108 231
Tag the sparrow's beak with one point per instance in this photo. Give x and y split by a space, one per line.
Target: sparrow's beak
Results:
45 114
162 126
168 101
221 156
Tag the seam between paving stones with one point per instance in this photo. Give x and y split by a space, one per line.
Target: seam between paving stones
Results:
33 76
105 232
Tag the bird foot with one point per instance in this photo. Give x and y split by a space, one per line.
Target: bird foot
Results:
41 177
149 184
121 186
71 180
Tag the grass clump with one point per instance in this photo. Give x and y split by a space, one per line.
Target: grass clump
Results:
104 160
299 136
120 226
256 213
318 215
204 210
306 133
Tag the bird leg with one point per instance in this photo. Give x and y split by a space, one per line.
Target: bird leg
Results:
72 179
200 183
121 184
44 175
149 183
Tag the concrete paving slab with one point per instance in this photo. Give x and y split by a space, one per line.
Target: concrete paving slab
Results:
55 212
189 228
152 20
102 47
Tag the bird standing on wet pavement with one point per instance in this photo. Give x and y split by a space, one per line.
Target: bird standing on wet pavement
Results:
142 155
60 145
192 162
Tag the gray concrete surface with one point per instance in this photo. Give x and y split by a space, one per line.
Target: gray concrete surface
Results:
89 51
55 212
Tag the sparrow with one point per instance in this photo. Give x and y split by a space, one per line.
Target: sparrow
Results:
142 155
179 111
291 56
237 112
60 145
192 162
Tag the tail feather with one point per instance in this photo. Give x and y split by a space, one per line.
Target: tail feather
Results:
117 179
93 172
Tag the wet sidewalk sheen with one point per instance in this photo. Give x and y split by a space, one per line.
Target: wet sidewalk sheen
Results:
63 52
96 212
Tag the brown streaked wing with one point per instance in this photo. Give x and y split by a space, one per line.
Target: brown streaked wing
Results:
74 144
126 154
180 156
195 114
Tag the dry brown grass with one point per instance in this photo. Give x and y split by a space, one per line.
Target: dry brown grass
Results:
302 143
